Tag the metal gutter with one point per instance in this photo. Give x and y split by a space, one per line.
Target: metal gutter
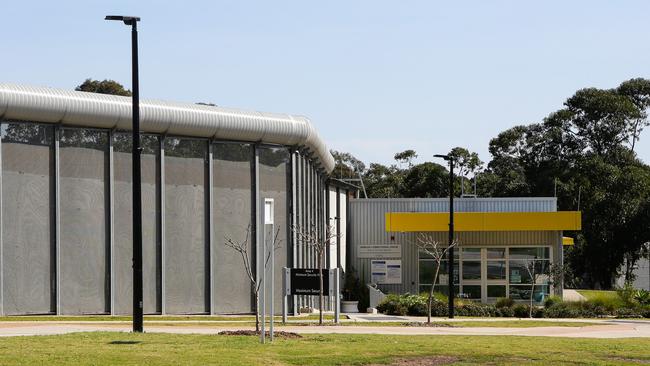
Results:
48 105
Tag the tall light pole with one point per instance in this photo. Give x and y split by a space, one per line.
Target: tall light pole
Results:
450 253
137 178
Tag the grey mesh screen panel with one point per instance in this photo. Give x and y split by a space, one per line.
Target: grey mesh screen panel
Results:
27 225
186 275
231 187
273 184
84 246
123 224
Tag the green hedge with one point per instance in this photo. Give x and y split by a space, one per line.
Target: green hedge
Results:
554 307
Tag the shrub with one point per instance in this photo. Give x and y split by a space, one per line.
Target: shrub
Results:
414 304
391 305
406 304
562 310
476 309
642 297
594 309
505 312
504 302
551 300
627 313
626 294
645 312
521 310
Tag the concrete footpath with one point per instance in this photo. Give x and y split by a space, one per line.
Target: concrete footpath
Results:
605 329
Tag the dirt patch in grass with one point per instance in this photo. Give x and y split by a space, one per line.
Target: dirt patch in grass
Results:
432 325
423 361
278 334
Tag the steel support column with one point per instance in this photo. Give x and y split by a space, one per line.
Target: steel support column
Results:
57 215
163 244
111 223
210 228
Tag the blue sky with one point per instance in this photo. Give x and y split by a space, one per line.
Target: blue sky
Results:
376 77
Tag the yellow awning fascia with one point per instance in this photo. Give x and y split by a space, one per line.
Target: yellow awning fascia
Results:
483 221
567 240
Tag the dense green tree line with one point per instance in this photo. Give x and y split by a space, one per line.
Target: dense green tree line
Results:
582 153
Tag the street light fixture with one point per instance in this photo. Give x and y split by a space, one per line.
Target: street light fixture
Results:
450 253
137 178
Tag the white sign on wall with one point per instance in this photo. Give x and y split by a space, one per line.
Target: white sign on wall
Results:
390 250
386 271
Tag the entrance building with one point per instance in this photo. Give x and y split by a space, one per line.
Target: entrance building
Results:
498 240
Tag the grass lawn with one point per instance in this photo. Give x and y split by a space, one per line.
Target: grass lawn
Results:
173 349
606 297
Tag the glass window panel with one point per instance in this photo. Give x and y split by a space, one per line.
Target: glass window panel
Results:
84 235
27 218
427 270
496 253
471 291
523 293
471 270
496 291
522 271
186 264
123 221
496 270
519 273
471 253
424 254
529 253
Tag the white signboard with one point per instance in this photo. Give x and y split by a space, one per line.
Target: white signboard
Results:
386 271
375 250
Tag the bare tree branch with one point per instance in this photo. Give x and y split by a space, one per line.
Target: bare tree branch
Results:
438 252
241 247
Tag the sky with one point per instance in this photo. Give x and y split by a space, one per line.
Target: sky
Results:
375 77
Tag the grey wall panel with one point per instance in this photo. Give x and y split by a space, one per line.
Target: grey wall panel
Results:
27 225
123 224
84 244
185 232
231 215
273 184
333 224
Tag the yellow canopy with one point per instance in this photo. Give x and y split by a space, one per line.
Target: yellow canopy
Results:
483 221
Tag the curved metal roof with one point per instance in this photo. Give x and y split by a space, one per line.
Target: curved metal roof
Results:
39 104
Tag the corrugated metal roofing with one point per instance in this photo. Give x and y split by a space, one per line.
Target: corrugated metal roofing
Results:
40 104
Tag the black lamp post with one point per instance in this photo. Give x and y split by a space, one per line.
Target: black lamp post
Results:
450 253
137 186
